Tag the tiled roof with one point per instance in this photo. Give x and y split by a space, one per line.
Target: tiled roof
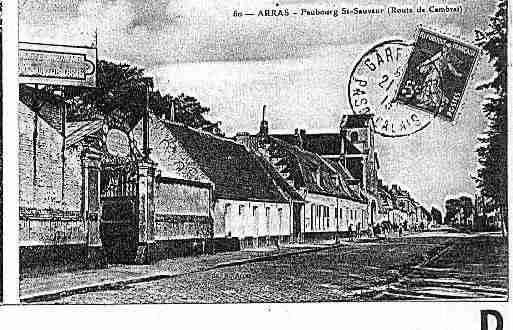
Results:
324 144
340 168
76 131
278 179
235 171
356 121
302 167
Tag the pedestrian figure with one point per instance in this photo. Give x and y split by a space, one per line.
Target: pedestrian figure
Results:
350 232
371 231
400 231
358 225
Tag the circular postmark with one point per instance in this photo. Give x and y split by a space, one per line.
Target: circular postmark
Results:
373 87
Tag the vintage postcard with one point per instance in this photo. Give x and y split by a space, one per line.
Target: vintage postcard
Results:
215 152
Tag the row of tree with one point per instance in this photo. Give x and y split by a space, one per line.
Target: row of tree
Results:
492 179
458 209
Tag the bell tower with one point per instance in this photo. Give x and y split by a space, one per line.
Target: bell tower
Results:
357 149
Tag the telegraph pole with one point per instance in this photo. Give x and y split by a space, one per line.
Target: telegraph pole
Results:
146 147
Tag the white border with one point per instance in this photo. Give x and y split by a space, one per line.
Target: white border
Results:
10 152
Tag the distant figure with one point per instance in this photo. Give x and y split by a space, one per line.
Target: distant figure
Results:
371 231
358 228
350 232
386 228
400 231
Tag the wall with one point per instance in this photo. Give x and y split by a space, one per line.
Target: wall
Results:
47 215
398 216
181 211
173 161
349 212
248 219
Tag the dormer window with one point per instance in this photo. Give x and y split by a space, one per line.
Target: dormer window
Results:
354 137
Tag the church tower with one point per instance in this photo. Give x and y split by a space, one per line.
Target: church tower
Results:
357 149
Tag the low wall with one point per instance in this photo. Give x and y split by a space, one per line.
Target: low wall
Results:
55 240
173 248
46 259
258 242
312 237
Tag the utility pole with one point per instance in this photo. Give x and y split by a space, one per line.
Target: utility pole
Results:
146 147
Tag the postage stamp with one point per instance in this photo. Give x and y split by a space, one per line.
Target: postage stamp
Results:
437 74
372 87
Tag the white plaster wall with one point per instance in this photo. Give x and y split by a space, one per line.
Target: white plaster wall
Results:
350 212
227 219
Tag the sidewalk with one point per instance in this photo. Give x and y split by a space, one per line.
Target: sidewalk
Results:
49 287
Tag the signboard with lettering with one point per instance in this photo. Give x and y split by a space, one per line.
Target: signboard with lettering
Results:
56 64
118 143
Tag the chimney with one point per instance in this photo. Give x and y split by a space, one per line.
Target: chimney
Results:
300 136
264 126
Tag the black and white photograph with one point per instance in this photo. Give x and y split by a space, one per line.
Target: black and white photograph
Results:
237 152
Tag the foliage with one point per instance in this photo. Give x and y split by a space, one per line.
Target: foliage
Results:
492 152
121 98
436 215
452 207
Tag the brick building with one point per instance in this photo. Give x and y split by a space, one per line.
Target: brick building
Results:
58 173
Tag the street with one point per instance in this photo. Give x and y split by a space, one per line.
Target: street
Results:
437 266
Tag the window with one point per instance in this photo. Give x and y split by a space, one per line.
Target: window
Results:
312 215
280 219
241 209
255 211
267 211
319 216
354 137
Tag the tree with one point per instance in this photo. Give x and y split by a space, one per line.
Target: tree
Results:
467 207
120 98
492 153
436 215
452 208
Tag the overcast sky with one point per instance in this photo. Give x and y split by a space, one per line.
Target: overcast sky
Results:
298 66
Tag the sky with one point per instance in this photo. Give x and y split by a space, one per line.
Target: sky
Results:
298 66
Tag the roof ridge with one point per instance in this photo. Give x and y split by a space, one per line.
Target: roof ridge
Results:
198 130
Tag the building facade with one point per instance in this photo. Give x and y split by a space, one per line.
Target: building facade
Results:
334 201
58 186
246 204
